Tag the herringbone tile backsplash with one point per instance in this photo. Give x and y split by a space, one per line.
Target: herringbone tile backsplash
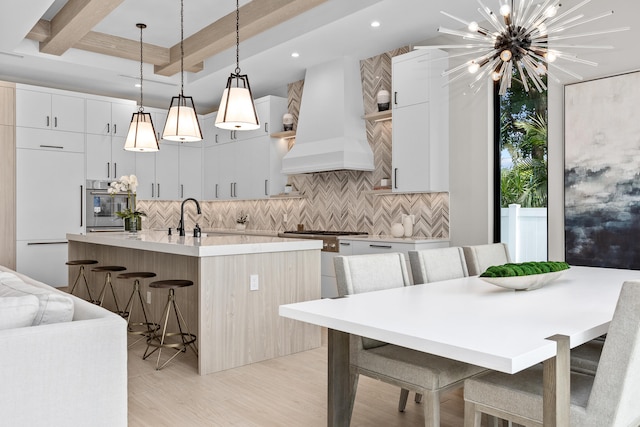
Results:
338 200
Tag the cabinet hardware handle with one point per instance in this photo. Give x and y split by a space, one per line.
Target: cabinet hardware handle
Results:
395 178
153 188
108 169
81 196
345 244
108 127
216 138
55 122
59 147
216 191
46 243
115 169
158 190
231 190
47 121
266 191
395 98
266 127
181 191
381 246
115 128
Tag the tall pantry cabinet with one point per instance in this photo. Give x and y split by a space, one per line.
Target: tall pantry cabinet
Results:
49 180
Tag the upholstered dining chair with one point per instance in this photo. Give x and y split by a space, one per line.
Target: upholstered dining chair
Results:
480 257
409 369
434 265
610 398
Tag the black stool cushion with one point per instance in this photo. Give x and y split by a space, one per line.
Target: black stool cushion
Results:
170 284
81 262
136 275
109 268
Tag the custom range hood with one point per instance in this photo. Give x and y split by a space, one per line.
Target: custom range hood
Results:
331 133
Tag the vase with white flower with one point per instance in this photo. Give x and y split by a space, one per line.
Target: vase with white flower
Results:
132 217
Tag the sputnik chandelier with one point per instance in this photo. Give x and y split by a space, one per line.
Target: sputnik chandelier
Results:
526 38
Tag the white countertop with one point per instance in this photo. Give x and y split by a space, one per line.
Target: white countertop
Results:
391 239
208 245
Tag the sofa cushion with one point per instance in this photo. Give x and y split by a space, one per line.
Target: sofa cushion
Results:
54 307
18 312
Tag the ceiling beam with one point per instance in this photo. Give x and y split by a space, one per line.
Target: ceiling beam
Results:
107 44
256 17
74 21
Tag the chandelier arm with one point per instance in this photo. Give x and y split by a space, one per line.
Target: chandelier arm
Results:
595 18
553 77
569 72
455 18
455 46
537 15
491 17
562 15
482 76
523 77
464 34
458 68
593 33
505 81
531 70
575 59
551 28
570 46
526 12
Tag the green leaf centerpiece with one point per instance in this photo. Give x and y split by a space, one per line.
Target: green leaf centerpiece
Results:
525 275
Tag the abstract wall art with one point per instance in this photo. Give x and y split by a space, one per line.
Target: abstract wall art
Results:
602 172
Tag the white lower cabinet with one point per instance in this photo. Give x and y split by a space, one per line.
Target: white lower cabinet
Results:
50 203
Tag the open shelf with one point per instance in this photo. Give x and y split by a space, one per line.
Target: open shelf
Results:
286 134
378 116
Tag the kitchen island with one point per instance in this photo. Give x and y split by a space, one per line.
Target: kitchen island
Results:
235 323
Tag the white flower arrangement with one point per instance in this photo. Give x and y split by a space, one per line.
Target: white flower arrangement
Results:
128 184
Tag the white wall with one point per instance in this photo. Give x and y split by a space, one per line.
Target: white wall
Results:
471 134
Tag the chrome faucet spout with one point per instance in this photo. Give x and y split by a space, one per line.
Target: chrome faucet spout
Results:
181 226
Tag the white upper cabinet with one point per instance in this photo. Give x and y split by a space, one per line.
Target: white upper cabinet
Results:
109 118
420 143
191 170
49 110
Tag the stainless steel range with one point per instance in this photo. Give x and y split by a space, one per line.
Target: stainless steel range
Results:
330 249
329 238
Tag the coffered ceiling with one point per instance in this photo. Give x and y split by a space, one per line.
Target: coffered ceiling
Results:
93 45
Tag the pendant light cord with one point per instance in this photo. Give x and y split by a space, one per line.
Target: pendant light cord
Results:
182 47
141 108
237 36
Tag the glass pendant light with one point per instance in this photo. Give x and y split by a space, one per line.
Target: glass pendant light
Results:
182 121
141 135
237 110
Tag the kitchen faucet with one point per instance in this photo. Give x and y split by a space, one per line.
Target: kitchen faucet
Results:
181 226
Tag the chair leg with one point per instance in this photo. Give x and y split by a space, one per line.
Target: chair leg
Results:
404 395
472 417
432 409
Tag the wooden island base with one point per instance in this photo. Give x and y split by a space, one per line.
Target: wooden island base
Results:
234 325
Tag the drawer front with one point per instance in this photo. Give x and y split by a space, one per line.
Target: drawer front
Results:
43 139
363 248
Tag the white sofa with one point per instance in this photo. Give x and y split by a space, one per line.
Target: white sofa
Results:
65 374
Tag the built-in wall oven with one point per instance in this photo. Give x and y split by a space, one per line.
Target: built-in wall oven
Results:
102 207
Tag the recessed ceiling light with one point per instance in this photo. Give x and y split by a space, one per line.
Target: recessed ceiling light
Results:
295 55
375 24
137 85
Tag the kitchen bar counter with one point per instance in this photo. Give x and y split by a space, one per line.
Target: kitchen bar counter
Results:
391 239
239 282
211 244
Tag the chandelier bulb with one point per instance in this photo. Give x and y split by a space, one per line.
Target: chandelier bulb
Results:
496 75
505 10
541 70
550 56
473 67
551 12
506 55
473 26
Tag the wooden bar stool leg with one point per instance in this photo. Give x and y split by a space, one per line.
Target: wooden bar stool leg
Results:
151 327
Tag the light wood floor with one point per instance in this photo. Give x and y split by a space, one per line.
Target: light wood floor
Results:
287 391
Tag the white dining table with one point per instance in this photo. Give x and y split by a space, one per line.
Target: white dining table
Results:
472 321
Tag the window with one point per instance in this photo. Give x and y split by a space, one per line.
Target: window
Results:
521 171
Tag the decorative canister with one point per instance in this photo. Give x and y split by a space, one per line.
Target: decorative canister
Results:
384 98
397 230
407 224
287 121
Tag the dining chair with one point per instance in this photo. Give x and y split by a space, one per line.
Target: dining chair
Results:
434 265
481 257
409 369
607 399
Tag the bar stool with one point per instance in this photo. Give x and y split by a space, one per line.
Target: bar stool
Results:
158 342
147 329
81 263
107 283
